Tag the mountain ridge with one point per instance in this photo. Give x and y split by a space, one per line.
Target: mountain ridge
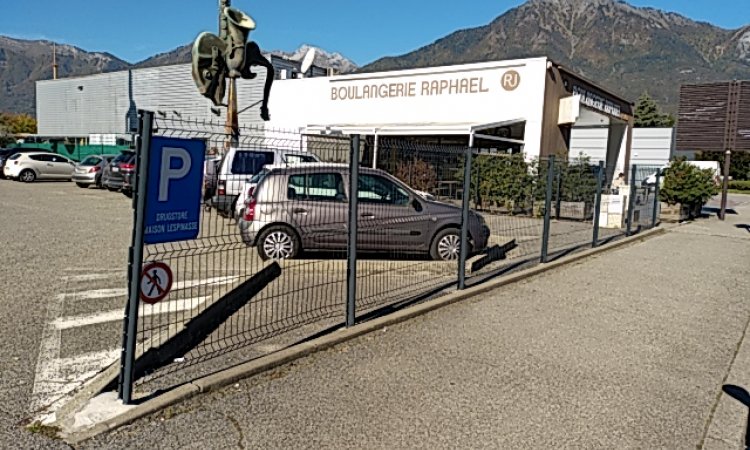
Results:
628 49
23 62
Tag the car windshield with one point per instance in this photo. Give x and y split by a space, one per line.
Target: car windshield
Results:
90 161
14 157
6 151
259 176
250 162
295 158
123 157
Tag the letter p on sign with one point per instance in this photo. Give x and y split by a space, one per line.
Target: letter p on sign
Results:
169 173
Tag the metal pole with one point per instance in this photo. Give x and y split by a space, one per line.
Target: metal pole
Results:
631 201
466 198
351 266
375 152
558 200
657 203
232 126
725 185
548 207
598 203
130 322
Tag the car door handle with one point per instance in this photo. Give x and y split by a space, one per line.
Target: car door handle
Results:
300 211
49 165
368 215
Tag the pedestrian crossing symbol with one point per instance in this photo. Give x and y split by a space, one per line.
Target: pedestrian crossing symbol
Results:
156 281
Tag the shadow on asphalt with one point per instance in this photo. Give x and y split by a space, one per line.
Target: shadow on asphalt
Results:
743 226
742 396
713 210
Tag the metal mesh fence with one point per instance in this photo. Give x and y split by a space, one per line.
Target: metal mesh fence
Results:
574 193
275 262
241 233
409 208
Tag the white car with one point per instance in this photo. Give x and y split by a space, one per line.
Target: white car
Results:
28 167
239 165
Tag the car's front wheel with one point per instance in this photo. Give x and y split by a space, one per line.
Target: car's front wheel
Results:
447 245
278 242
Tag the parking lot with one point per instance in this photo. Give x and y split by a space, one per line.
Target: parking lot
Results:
65 259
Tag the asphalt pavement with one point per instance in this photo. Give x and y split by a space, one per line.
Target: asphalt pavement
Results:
53 234
64 253
628 349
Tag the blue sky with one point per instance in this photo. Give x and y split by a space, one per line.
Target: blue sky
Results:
361 30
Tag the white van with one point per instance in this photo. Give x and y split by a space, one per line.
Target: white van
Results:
240 165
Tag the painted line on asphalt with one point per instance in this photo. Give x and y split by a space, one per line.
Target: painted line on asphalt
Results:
185 304
97 294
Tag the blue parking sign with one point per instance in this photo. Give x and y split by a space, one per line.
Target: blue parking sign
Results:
173 190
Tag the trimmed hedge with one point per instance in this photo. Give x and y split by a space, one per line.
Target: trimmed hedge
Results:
739 185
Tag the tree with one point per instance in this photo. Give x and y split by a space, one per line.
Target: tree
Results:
649 115
687 184
17 124
418 174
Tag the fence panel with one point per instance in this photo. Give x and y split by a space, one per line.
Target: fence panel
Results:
242 235
269 267
409 206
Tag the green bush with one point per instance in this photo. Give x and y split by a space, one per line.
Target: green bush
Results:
739 185
502 180
739 165
688 185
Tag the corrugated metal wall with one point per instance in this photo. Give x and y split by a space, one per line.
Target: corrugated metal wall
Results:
651 146
102 104
79 106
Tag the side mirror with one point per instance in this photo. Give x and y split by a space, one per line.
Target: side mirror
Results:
417 205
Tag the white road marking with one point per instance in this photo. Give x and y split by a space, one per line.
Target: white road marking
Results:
185 304
55 377
48 363
96 294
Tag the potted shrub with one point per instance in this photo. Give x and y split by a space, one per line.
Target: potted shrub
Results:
685 190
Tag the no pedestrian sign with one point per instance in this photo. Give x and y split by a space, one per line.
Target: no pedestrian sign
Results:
156 282
173 192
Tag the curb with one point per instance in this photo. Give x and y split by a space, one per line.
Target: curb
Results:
266 363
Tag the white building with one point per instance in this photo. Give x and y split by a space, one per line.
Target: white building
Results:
527 105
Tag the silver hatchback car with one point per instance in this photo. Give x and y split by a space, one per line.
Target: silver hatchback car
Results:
305 208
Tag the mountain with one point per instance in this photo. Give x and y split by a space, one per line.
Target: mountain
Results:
335 61
180 55
324 59
23 62
627 49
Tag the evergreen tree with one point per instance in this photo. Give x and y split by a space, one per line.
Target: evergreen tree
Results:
649 115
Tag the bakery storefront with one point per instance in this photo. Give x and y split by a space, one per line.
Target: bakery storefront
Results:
524 106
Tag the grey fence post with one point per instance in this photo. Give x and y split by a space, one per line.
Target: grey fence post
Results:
351 265
558 199
465 220
598 203
631 200
657 203
548 207
130 321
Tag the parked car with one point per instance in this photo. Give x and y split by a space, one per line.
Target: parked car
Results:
239 165
305 207
116 174
89 171
6 153
28 167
